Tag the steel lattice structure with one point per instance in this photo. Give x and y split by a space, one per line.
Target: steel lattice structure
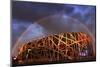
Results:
56 47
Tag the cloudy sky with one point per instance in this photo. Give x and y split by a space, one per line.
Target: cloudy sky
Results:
25 15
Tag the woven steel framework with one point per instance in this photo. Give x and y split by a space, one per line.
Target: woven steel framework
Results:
56 47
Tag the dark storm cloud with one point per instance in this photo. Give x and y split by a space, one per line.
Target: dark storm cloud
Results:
83 13
18 27
34 11
86 15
